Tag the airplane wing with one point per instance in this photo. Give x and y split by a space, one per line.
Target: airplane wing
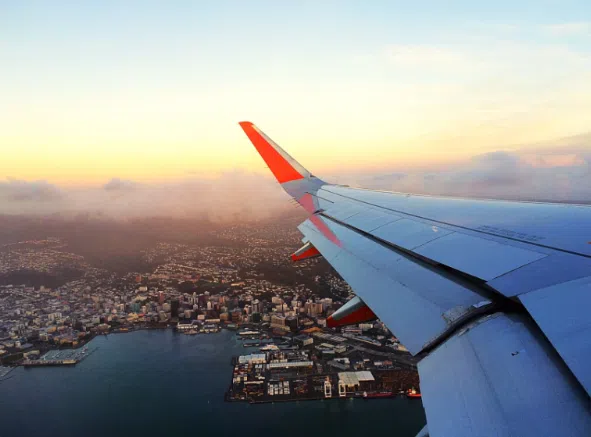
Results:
493 296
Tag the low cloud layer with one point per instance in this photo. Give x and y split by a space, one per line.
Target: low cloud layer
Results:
546 172
231 196
17 191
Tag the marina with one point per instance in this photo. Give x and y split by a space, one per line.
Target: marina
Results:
64 357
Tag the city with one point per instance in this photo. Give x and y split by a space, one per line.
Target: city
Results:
245 282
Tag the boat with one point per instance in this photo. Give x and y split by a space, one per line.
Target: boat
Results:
269 348
377 395
412 393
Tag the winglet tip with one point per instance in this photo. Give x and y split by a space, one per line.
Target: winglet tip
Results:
284 167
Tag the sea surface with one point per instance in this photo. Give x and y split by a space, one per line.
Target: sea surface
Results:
160 383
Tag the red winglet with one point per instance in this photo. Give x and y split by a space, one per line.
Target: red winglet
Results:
281 168
311 252
363 314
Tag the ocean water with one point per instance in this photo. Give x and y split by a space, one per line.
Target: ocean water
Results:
159 383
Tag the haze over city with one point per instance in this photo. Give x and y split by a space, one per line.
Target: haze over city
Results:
132 109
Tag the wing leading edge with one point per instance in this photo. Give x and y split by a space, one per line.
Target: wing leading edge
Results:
472 287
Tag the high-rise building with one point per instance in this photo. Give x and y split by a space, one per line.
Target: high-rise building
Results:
161 297
256 306
292 323
314 309
174 308
326 302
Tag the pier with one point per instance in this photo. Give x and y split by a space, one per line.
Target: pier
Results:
39 363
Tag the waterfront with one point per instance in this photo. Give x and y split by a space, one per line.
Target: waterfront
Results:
157 382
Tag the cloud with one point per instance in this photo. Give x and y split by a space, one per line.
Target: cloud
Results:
536 172
552 171
15 190
234 195
117 184
569 29
412 55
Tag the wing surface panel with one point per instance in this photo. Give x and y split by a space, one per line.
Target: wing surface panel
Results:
478 257
555 269
558 226
409 234
370 219
496 378
416 302
562 312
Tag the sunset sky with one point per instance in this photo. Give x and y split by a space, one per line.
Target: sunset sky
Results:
153 90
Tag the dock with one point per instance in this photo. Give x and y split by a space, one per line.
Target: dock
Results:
40 363
60 358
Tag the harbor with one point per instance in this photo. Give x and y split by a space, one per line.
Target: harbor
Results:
132 369
64 357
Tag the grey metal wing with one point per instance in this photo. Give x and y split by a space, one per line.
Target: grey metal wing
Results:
492 296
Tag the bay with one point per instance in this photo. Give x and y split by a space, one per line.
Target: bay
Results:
160 383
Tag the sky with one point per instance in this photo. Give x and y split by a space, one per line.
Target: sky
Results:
139 94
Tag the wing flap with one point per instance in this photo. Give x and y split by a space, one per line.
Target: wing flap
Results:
496 378
562 312
416 302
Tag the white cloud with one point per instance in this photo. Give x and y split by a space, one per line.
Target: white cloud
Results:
231 196
543 172
19 191
423 55
569 29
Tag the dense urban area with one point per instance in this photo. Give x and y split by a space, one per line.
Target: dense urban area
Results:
56 294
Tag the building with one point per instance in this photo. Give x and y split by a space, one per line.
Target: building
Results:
326 303
236 315
257 306
289 365
314 309
355 381
292 323
252 359
278 321
174 307
303 340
